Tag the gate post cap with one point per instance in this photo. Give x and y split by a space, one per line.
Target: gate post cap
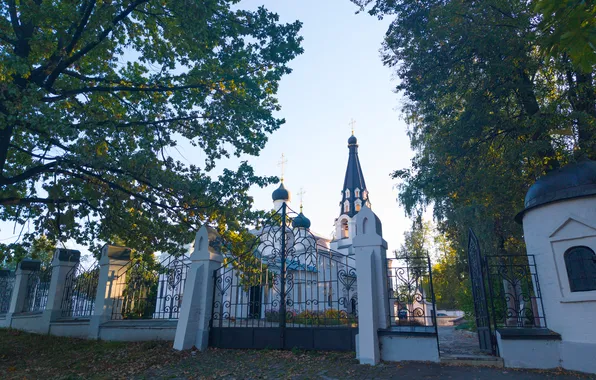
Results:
5 273
369 229
30 264
66 255
207 245
110 253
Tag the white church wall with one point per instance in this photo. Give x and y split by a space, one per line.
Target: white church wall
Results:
549 231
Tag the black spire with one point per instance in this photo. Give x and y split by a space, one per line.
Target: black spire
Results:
354 190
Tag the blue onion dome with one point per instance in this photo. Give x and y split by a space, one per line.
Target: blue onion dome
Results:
301 221
281 193
352 140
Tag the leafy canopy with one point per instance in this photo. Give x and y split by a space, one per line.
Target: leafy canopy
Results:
495 95
95 95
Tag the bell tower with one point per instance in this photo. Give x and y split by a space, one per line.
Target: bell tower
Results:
354 195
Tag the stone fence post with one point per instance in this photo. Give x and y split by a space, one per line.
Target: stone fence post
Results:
371 270
62 262
19 291
111 273
197 300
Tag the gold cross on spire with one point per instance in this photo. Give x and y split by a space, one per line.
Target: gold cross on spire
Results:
301 194
352 123
282 164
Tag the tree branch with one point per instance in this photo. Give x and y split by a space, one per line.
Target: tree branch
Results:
81 27
27 174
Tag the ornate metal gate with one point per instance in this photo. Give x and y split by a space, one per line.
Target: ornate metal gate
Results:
475 262
288 291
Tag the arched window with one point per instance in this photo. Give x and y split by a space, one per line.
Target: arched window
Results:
581 269
364 225
344 229
358 205
357 193
347 206
347 193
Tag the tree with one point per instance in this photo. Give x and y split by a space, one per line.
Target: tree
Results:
96 95
487 113
569 27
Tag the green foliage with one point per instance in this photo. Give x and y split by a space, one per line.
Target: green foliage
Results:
487 113
448 279
95 96
569 27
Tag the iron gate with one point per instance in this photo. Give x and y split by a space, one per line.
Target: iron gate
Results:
288 291
485 335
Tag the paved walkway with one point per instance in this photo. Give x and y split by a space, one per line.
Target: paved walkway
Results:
458 342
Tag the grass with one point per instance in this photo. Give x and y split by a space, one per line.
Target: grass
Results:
32 356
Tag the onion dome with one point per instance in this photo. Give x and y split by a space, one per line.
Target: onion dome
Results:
352 140
281 193
301 221
571 181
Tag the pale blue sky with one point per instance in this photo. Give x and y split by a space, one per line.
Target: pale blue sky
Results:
338 77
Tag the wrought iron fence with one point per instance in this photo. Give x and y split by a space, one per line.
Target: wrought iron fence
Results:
38 287
516 300
80 290
7 278
150 291
411 294
286 279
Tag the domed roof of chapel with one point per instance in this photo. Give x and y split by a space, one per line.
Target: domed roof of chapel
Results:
571 181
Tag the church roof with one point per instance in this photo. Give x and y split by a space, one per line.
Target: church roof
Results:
353 181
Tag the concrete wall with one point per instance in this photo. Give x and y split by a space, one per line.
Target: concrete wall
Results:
397 347
138 330
445 321
29 322
529 353
74 329
578 356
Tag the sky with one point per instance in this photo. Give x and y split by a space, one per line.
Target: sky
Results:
339 77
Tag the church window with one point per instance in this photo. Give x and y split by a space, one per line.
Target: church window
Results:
358 205
357 193
347 193
364 225
365 194
581 269
344 229
347 206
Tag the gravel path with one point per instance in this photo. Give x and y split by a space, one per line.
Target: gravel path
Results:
458 342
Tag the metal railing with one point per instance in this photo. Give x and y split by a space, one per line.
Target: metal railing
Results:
80 290
150 291
6 286
38 286
516 300
410 291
